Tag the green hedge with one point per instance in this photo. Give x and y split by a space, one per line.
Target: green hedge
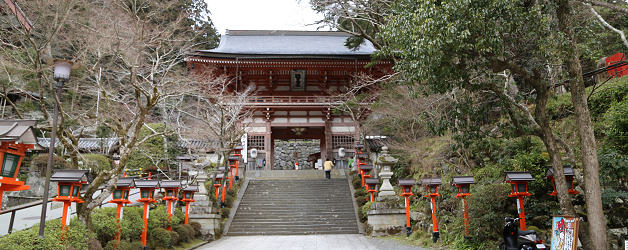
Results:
77 237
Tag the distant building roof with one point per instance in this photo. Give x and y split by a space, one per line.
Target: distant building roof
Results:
87 144
17 130
283 42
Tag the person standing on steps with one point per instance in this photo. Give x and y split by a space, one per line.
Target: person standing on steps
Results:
327 167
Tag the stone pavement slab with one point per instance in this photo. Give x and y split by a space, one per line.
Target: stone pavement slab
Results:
307 242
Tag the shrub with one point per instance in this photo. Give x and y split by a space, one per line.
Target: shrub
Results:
94 244
96 163
160 237
363 210
197 228
186 232
159 218
616 125
104 223
229 200
78 237
224 212
232 192
356 182
174 238
359 192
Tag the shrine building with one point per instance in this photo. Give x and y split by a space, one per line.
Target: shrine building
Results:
298 79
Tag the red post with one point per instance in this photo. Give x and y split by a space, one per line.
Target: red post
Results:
224 189
145 229
187 212
169 228
230 178
237 169
64 218
408 211
466 216
119 209
435 226
522 214
217 186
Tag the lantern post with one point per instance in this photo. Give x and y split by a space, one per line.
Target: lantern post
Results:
16 137
406 187
147 196
519 187
224 187
233 164
463 185
237 152
569 175
172 191
361 159
431 185
70 182
366 173
188 196
217 183
371 187
120 197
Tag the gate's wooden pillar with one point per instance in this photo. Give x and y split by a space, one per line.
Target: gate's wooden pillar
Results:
268 146
328 146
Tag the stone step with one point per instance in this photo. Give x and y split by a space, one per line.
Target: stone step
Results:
288 207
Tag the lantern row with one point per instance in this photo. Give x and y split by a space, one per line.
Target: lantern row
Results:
70 182
519 189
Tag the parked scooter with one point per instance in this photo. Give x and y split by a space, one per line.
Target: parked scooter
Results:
518 240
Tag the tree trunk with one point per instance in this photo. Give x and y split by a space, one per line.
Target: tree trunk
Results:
595 212
560 182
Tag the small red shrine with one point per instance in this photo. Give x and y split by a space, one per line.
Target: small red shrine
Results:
519 187
120 197
569 175
298 78
463 185
431 184
406 187
70 182
188 196
16 137
171 195
147 196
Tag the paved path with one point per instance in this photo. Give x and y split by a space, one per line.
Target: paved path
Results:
303 242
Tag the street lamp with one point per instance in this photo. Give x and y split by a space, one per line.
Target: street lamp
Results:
61 74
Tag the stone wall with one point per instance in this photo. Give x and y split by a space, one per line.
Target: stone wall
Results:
285 153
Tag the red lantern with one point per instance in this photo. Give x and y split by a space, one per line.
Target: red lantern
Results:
16 136
463 184
237 152
361 159
120 196
171 189
217 183
70 182
188 196
519 188
366 172
431 185
569 175
406 187
233 164
371 187
147 196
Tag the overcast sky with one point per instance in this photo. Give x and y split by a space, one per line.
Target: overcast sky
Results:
262 15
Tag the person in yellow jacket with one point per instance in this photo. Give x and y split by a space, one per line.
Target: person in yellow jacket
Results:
327 166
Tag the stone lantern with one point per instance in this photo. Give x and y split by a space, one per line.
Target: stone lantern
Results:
386 214
120 197
366 173
371 187
147 196
463 185
406 187
431 184
519 187
70 182
172 191
237 152
569 175
16 136
188 196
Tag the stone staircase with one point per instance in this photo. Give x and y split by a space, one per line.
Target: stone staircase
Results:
295 206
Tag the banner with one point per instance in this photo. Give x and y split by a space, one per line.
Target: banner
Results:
564 233
245 153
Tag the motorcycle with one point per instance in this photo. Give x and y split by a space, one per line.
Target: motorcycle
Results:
514 239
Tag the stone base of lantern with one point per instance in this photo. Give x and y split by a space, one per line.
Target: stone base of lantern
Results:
387 216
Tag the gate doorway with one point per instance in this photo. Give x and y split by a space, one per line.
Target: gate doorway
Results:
287 152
